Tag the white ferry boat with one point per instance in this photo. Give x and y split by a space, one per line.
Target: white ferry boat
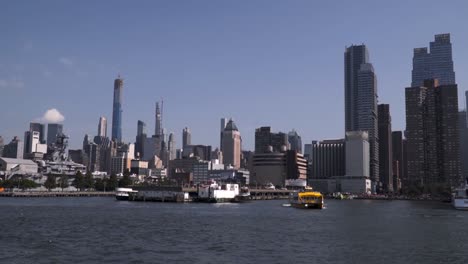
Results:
460 197
122 194
215 193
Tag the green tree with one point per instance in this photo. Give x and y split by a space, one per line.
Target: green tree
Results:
27 184
79 181
89 181
112 183
63 181
50 183
99 184
126 180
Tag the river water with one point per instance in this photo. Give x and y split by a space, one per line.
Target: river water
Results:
102 230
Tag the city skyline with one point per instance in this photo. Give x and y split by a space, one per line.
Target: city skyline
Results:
92 84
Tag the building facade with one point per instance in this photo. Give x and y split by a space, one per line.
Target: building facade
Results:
267 141
398 163
385 148
361 112
53 130
435 64
433 154
328 159
117 110
102 127
295 141
232 142
186 137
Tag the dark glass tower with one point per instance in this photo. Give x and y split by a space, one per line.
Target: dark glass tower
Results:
117 110
435 64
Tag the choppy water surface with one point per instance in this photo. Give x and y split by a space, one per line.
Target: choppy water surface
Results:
102 230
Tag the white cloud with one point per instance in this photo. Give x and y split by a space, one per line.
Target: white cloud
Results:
66 61
52 116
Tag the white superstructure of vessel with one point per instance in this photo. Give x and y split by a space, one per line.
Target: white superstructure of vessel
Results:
123 193
218 193
460 197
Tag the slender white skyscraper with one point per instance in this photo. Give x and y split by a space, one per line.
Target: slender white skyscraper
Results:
102 127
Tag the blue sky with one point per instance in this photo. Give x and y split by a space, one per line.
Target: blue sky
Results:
275 63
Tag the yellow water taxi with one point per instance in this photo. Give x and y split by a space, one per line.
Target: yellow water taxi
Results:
306 199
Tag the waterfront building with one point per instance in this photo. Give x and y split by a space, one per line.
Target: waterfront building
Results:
186 137
19 166
295 141
102 127
117 110
398 159
267 141
201 171
232 145
432 132
277 167
14 149
435 64
463 132
328 159
385 148
139 168
361 102
240 176
357 154
32 144
103 146
53 131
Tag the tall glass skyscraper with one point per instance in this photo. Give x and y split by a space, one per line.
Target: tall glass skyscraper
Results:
361 101
117 110
435 64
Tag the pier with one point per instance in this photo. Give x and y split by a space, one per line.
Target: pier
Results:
255 194
57 194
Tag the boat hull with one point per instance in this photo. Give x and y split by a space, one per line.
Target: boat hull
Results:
307 205
460 203
121 198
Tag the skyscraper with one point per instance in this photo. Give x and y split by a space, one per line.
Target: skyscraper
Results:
223 125
117 110
53 130
38 127
172 146
295 142
432 135
102 127
435 64
385 147
186 137
398 158
354 57
361 102
265 139
231 145
158 121
140 138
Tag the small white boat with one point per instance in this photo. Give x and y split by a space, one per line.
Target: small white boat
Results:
460 197
122 194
